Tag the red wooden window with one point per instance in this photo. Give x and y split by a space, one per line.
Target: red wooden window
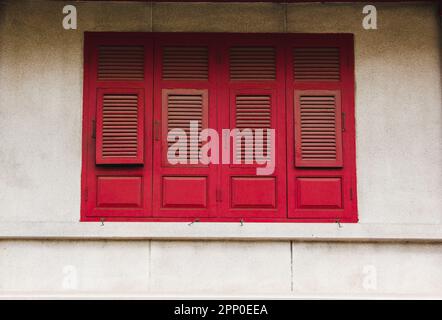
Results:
320 128
140 86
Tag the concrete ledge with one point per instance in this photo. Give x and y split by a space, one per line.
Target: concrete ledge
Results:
221 231
153 296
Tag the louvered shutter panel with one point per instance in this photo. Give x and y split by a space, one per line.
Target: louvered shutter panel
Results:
118 63
183 107
252 112
253 89
252 63
185 63
318 128
316 64
120 127
185 89
117 127
320 131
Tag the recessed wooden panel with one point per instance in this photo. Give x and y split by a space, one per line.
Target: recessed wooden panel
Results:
253 192
316 64
117 63
319 193
119 192
184 192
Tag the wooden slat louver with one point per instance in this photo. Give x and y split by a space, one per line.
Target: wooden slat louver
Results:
318 129
252 112
252 63
316 64
120 63
185 63
120 129
183 107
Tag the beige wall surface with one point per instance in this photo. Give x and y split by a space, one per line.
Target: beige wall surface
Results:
399 159
398 97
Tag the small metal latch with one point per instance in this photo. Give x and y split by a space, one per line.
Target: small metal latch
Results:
339 223
196 220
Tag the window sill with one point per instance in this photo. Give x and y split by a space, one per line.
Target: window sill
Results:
329 232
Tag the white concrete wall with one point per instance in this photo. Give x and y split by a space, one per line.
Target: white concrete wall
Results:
219 269
399 158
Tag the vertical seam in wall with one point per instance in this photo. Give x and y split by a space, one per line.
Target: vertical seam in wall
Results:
291 266
285 17
151 16
149 264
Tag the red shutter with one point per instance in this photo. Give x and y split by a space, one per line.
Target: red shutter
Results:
252 110
120 126
252 89
184 92
118 119
180 108
320 135
318 141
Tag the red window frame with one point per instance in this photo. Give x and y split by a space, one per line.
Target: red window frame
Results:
142 197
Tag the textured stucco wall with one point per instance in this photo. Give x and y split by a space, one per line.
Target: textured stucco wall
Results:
399 156
398 97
